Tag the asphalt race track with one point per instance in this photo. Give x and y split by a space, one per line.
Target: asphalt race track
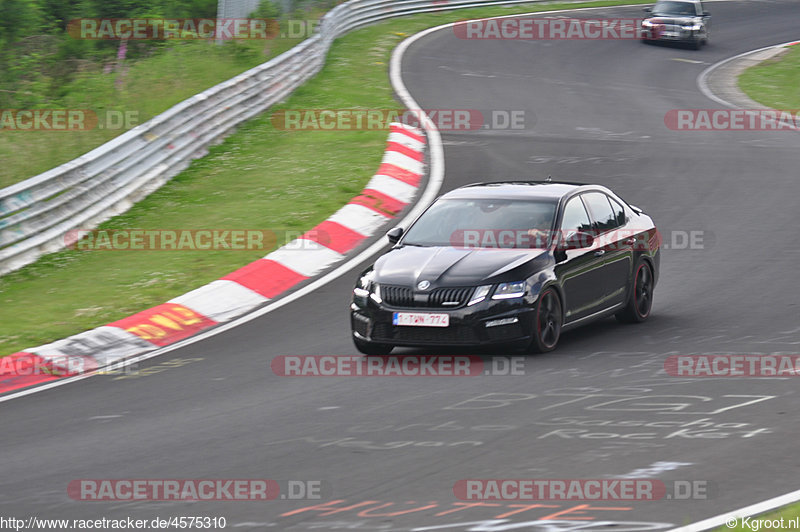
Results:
388 451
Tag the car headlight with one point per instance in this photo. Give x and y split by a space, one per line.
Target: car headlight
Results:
365 280
692 27
646 23
480 294
376 293
365 287
509 290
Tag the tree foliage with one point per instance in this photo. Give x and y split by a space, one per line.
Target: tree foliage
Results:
38 57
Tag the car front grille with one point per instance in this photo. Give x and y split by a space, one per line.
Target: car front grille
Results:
397 296
403 297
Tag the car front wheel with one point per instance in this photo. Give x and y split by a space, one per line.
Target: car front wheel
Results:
547 322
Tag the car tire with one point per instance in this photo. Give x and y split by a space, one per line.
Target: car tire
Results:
640 297
372 349
547 322
696 44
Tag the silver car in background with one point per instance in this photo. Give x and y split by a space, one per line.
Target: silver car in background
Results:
681 21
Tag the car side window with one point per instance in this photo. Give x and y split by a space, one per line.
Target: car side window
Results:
619 212
600 207
575 217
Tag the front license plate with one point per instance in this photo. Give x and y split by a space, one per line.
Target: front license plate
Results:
420 319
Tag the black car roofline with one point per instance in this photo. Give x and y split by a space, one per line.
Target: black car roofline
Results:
524 182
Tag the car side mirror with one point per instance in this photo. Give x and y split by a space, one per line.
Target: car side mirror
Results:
648 9
394 234
578 240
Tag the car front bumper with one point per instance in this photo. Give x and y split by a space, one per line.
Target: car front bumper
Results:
679 35
468 326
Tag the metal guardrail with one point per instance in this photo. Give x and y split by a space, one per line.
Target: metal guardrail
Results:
37 215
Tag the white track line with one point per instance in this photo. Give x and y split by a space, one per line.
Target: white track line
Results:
432 188
782 500
754 509
702 79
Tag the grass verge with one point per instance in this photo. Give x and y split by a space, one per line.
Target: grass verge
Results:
259 178
149 87
775 82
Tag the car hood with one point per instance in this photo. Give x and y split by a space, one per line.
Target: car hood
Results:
672 19
448 266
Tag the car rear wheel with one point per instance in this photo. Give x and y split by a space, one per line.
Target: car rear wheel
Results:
547 322
369 348
640 299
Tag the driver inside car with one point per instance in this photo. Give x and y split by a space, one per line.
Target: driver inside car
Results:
538 235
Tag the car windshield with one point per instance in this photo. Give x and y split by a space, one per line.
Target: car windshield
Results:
484 223
685 9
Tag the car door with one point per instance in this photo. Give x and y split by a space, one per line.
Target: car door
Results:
614 244
579 270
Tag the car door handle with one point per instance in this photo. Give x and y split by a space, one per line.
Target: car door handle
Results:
630 242
599 253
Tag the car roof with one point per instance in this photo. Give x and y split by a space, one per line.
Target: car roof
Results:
520 190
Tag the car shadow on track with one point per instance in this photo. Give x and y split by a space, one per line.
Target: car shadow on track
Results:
600 335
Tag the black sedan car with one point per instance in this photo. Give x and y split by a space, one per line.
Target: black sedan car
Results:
679 21
509 264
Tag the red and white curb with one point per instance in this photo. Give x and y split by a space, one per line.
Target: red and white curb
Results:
389 191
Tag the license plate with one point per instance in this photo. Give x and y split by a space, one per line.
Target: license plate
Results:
420 319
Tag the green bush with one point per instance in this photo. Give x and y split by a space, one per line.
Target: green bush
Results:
267 9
